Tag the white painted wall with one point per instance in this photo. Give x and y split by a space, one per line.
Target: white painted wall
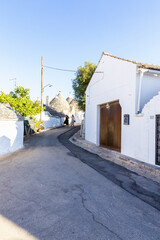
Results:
79 117
120 82
143 141
49 120
11 136
52 122
117 82
150 88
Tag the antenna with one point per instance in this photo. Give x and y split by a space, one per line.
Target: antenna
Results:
13 79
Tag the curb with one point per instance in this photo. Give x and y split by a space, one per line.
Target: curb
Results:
116 157
142 165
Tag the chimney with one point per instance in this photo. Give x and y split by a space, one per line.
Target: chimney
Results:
47 100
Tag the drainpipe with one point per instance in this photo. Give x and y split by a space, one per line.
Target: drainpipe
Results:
142 71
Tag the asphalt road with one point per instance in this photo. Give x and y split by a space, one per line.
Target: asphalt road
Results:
141 187
47 193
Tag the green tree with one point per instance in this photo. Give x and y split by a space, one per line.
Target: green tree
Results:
20 100
20 92
80 83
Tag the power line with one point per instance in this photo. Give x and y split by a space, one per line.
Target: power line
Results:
65 70
60 69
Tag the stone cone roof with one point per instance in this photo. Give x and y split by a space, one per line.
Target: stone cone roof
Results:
74 104
69 99
8 113
59 103
53 112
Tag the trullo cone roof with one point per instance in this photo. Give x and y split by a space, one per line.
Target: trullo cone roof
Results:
59 104
7 113
69 99
74 104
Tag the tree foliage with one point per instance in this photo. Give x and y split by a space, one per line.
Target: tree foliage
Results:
80 83
20 100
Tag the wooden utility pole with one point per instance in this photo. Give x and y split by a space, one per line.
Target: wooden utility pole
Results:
41 88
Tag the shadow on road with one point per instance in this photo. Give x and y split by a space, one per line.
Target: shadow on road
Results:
139 186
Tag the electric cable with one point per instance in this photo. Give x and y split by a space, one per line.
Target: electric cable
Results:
65 70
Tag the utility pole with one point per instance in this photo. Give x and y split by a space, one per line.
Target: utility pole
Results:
41 87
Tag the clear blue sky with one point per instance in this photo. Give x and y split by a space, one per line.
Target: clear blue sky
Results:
69 32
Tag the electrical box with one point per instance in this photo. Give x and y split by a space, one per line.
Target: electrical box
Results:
126 119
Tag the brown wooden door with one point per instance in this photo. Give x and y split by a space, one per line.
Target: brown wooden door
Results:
110 126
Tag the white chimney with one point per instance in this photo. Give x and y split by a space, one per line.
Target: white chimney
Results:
47 100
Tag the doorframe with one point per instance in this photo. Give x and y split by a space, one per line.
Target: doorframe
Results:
98 126
156 155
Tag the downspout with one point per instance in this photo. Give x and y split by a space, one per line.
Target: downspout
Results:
142 71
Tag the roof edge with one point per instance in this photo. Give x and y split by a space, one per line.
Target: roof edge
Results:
139 64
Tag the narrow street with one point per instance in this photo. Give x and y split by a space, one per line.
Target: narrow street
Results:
54 190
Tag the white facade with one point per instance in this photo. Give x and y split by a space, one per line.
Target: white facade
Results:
133 86
49 120
79 115
68 107
11 136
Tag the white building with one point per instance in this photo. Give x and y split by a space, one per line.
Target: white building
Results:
55 112
11 129
74 110
123 108
51 118
59 104
68 107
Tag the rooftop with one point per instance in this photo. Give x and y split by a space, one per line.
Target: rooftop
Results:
69 99
139 64
53 112
8 113
59 104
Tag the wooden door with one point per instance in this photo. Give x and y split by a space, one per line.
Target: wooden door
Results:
110 125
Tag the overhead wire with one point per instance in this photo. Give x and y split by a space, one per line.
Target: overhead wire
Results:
60 69
65 70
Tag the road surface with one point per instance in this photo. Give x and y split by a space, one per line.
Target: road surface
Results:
49 192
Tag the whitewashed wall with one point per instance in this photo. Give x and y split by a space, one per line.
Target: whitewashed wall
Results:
11 136
150 87
145 135
79 117
119 82
52 122
49 120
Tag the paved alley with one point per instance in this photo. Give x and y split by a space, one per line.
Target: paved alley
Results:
50 191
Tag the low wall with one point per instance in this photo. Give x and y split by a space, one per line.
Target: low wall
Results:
11 136
50 121
53 122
